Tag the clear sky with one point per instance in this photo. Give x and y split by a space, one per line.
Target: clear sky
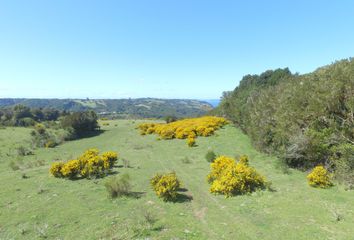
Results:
166 48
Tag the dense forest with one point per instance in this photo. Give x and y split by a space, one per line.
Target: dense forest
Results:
119 108
307 120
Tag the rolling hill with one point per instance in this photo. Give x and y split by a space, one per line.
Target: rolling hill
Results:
141 107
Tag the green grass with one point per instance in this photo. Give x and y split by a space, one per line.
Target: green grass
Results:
41 206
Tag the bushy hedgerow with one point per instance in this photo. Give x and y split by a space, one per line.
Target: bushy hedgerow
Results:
166 186
343 162
88 165
301 118
184 129
230 177
319 177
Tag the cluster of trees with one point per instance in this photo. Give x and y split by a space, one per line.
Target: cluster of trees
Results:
306 119
80 124
76 124
21 115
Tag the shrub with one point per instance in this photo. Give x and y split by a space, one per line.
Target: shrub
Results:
40 128
89 164
343 163
319 177
50 144
170 119
186 128
166 186
119 186
25 122
23 151
81 123
14 166
109 159
70 169
230 177
43 138
191 141
210 156
55 169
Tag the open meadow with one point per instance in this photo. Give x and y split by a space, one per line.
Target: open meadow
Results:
36 205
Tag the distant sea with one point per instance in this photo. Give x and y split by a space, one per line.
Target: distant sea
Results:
213 102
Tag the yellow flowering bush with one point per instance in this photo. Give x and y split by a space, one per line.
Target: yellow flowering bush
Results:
109 158
230 177
55 169
89 164
166 186
70 169
191 141
186 128
319 177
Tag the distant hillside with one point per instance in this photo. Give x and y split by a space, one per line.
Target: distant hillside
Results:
142 107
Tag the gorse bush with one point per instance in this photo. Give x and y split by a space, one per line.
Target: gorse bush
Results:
319 177
88 165
166 186
184 129
230 177
191 141
119 186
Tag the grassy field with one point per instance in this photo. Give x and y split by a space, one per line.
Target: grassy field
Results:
35 205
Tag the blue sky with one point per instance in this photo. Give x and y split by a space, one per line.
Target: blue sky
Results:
166 48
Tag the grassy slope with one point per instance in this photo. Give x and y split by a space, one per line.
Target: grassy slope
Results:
80 209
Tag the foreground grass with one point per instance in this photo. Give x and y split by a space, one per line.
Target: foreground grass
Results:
34 205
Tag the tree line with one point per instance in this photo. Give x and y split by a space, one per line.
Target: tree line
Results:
307 120
78 124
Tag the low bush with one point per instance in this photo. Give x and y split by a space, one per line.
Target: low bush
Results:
23 151
119 186
230 177
210 156
88 165
14 166
55 169
166 186
319 177
41 137
191 142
